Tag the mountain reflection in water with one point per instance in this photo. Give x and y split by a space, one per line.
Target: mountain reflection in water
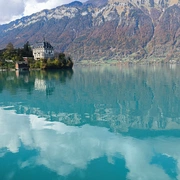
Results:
73 123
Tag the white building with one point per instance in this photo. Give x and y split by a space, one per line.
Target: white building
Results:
43 50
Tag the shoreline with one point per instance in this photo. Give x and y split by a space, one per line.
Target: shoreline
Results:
126 62
108 63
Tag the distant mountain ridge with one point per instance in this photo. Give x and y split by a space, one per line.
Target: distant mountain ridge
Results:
103 29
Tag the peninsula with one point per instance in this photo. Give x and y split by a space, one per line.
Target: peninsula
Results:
39 56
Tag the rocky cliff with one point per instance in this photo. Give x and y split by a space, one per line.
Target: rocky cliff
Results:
105 29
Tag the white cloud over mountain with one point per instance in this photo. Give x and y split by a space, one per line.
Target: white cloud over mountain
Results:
15 9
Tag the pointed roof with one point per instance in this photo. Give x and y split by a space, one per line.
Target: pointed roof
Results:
45 45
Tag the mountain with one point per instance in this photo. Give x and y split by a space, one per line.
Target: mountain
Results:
103 29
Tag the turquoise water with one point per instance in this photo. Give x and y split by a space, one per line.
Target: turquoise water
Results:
106 122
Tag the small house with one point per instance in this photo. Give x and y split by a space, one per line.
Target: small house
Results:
21 65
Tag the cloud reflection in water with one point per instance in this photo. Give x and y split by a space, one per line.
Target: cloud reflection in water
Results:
63 148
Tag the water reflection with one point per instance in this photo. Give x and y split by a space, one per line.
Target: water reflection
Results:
120 98
64 149
33 80
126 120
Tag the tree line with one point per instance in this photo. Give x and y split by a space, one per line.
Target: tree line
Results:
9 53
16 54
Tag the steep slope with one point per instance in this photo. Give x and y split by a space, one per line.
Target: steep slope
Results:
113 29
166 40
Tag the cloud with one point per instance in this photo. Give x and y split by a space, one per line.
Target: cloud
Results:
11 10
17 8
64 148
41 1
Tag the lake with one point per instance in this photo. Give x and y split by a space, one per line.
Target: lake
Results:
91 123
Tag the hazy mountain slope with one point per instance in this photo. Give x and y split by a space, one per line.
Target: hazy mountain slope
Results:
113 29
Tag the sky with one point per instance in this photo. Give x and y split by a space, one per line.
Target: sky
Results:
16 9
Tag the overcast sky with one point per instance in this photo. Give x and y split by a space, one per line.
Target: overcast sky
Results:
14 9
